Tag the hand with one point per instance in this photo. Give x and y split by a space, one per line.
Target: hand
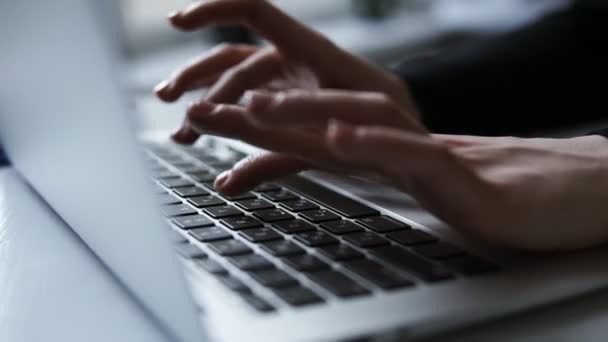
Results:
540 194
297 58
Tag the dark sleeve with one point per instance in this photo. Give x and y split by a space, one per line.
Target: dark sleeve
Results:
550 74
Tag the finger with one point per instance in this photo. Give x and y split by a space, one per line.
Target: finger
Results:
256 70
203 71
424 167
318 107
289 35
253 170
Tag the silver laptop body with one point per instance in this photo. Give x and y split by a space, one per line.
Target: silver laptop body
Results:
64 124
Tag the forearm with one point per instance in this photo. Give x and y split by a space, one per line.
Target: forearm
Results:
531 79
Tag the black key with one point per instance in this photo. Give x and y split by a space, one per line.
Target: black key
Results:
254 204
366 240
265 187
210 234
319 215
223 211
203 176
299 205
229 247
298 296
177 210
470 265
282 248
411 263
193 221
190 251
191 168
383 224
251 262
338 284
205 201
260 234
164 174
241 222
438 251
377 274
258 303
331 199
176 183
341 227
178 162
243 196
340 252
315 238
273 215
168 199
293 226
222 165
412 237
274 278
279 196
234 284
211 266
191 191
305 263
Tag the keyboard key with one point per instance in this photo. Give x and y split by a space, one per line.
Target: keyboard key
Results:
273 215
191 191
265 187
260 234
254 204
168 199
243 196
411 237
315 238
411 263
251 262
229 247
205 201
241 222
191 168
274 278
338 284
190 251
340 252
203 176
383 224
341 227
470 265
366 240
164 174
223 211
377 274
193 221
210 234
234 284
211 266
438 251
159 189
177 210
257 303
319 215
176 183
282 248
293 226
299 205
279 196
331 199
305 263
298 296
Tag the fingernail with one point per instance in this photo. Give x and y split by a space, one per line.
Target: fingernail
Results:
202 105
173 14
257 101
161 87
221 180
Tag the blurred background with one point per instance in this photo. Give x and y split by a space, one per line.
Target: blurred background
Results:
384 31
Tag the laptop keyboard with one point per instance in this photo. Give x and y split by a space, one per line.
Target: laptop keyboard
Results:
293 243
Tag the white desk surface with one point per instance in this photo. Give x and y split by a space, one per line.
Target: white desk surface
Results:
52 288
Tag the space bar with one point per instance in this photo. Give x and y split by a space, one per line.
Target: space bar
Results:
329 198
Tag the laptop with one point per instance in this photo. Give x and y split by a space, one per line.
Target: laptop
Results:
312 257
